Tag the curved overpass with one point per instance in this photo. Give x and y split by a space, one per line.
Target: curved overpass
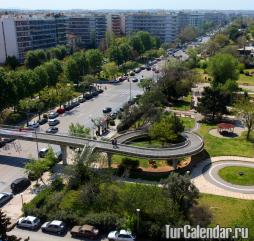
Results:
193 144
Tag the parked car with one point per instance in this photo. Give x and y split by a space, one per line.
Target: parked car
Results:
33 125
157 71
52 130
137 70
20 185
43 152
148 68
29 222
68 107
113 115
132 73
81 99
100 91
88 96
143 67
42 121
57 227
95 93
53 115
134 80
85 231
60 111
59 155
53 122
75 103
122 235
107 110
5 197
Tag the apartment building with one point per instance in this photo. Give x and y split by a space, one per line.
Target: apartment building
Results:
23 33
89 29
114 24
161 25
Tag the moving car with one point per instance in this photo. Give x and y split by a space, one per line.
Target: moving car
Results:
134 80
29 222
20 185
122 235
53 115
52 130
53 122
107 110
85 231
5 197
56 227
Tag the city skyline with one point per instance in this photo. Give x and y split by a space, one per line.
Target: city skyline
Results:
127 5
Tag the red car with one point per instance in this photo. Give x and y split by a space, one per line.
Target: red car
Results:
60 111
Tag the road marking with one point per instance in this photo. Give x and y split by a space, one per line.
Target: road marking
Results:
225 185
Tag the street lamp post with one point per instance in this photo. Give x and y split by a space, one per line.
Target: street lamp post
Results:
130 89
37 146
138 219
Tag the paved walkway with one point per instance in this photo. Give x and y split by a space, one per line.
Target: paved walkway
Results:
205 185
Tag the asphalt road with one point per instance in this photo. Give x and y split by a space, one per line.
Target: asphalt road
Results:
13 156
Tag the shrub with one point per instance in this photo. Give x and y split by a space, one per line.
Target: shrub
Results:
112 123
15 118
104 221
127 164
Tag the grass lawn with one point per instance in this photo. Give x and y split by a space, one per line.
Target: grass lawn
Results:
216 146
183 104
226 211
246 80
189 123
231 175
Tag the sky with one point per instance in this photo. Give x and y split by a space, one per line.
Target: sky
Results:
128 4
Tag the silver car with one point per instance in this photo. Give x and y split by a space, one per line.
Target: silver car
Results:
29 222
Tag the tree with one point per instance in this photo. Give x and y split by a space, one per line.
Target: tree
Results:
187 34
177 80
35 58
245 110
115 54
110 70
136 44
223 67
145 84
4 228
213 102
167 129
54 69
181 190
145 39
36 168
79 130
72 71
64 93
7 90
78 174
94 58
12 62
43 78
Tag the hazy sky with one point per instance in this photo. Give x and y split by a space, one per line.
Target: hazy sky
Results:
128 4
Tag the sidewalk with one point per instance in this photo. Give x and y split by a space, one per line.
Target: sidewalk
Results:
205 186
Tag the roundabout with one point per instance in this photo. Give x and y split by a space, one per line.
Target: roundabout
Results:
217 173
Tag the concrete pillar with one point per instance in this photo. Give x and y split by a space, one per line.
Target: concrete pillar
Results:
174 164
64 154
109 159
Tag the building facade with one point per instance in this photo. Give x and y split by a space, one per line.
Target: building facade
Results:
162 26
